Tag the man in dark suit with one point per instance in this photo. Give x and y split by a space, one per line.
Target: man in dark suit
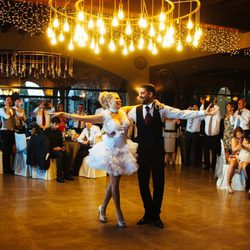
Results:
151 154
57 151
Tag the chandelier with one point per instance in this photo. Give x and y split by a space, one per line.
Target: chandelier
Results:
35 64
150 25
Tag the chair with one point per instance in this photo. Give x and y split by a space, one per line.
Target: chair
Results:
48 175
238 180
88 172
19 164
1 162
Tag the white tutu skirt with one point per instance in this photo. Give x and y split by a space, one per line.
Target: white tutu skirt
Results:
114 159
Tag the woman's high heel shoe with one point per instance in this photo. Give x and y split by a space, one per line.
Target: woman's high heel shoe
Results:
230 190
121 224
102 217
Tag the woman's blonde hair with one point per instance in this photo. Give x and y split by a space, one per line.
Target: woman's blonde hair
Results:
105 97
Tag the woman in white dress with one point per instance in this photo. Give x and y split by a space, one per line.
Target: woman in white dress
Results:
115 154
240 157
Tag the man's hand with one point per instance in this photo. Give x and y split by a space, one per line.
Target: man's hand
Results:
211 110
202 100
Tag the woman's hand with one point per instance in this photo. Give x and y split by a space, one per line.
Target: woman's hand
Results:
58 114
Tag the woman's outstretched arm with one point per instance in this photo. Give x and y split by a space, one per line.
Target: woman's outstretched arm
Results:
86 118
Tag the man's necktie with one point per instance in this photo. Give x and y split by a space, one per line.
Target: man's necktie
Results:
238 121
43 118
148 117
191 121
79 124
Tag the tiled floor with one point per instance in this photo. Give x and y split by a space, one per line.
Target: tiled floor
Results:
36 214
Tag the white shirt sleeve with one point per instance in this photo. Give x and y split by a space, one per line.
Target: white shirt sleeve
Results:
3 114
132 114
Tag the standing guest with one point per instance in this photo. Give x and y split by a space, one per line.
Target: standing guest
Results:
240 157
228 130
86 139
63 120
212 138
43 114
20 117
151 149
115 154
192 138
57 151
79 125
7 114
241 117
170 135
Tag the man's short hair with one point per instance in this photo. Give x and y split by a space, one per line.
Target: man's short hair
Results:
55 120
149 87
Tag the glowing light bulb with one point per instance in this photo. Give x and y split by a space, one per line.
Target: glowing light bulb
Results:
195 43
80 15
53 41
159 38
162 26
56 22
91 24
143 22
66 26
189 38
125 51
101 40
71 45
197 34
61 37
154 51
50 32
97 50
112 45
120 12
150 45
141 43
81 43
179 46
92 44
152 31
162 17
115 21
131 46
128 29
121 41
190 24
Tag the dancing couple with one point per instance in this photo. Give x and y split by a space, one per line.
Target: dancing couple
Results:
117 155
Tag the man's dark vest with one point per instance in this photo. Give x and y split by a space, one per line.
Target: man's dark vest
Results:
150 137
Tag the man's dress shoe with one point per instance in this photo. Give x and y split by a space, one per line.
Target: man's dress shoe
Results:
157 222
144 220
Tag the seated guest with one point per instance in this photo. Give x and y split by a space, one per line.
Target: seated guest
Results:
86 139
79 125
57 151
63 120
240 157
20 117
43 112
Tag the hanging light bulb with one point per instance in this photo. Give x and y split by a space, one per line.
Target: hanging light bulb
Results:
112 45
142 22
81 43
162 16
66 26
115 21
189 38
97 50
61 37
53 41
190 24
92 44
179 46
80 15
120 12
91 24
197 34
195 43
71 46
162 26
101 40
56 22
152 30
102 30
159 38
150 45
121 41
50 32
125 50
141 43
128 30
131 46
154 51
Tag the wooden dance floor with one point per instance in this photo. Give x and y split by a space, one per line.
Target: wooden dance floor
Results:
37 214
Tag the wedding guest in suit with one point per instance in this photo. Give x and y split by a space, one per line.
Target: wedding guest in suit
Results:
241 117
79 125
151 149
57 151
7 114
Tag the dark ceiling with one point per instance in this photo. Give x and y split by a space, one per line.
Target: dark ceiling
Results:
228 13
